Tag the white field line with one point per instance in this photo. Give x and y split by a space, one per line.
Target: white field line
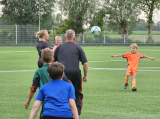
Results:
108 61
91 68
115 69
122 60
123 50
12 51
17 71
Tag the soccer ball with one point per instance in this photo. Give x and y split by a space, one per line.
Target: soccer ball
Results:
96 30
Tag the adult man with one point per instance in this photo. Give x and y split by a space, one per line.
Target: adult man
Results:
69 54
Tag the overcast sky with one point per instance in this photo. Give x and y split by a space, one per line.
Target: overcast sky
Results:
156 16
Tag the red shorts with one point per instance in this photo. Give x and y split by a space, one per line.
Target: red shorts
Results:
131 71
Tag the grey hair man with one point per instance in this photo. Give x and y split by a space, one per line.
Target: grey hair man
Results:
69 54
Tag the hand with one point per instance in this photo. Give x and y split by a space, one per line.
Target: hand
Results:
152 58
53 48
85 79
26 104
112 56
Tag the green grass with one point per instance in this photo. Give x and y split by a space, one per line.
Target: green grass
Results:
104 96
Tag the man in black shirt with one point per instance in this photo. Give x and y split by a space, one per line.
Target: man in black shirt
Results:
69 54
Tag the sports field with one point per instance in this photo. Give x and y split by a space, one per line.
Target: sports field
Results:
104 96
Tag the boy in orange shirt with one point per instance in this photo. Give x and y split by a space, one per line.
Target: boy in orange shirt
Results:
133 59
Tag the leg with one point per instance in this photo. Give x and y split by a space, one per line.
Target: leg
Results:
134 82
79 101
127 81
78 93
127 78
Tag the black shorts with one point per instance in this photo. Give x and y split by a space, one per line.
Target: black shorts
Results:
51 117
40 64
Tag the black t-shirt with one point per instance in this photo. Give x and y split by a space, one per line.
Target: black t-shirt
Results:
69 54
41 45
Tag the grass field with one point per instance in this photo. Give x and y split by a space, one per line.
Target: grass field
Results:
104 96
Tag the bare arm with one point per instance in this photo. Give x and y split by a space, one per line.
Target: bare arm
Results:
151 58
35 109
54 48
85 69
26 104
73 108
120 55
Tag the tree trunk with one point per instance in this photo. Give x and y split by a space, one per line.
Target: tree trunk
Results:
79 23
125 34
150 32
150 20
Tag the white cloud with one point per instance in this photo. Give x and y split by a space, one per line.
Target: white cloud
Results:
156 16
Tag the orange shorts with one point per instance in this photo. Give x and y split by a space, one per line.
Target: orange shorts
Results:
131 71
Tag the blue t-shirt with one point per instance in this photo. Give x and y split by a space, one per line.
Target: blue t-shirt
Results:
56 95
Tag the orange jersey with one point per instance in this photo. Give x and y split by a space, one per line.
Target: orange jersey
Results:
133 59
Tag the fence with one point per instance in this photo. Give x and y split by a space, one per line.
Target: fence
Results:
18 35
103 40
22 35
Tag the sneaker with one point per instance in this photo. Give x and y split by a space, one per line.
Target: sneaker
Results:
125 86
134 89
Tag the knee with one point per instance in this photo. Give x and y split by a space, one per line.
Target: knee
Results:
127 75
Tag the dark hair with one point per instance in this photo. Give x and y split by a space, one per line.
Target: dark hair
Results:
47 55
55 70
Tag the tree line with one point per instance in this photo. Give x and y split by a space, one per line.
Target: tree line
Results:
141 26
120 16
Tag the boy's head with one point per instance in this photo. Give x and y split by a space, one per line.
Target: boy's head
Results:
55 70
133 47
47 56
58 40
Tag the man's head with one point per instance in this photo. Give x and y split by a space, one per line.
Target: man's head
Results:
70 35
47 56
55 70
133 47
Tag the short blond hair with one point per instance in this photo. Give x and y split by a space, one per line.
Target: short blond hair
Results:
134 45
57 37
40 34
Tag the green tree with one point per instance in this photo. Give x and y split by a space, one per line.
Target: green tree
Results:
65 25
25 12
50 25
149 6
141 26
121 15
58 19
78 11
3 21
98 19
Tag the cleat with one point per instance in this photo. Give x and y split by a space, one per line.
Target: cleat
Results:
125 86
134 89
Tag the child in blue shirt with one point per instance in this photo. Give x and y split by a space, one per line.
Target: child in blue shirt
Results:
59 96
